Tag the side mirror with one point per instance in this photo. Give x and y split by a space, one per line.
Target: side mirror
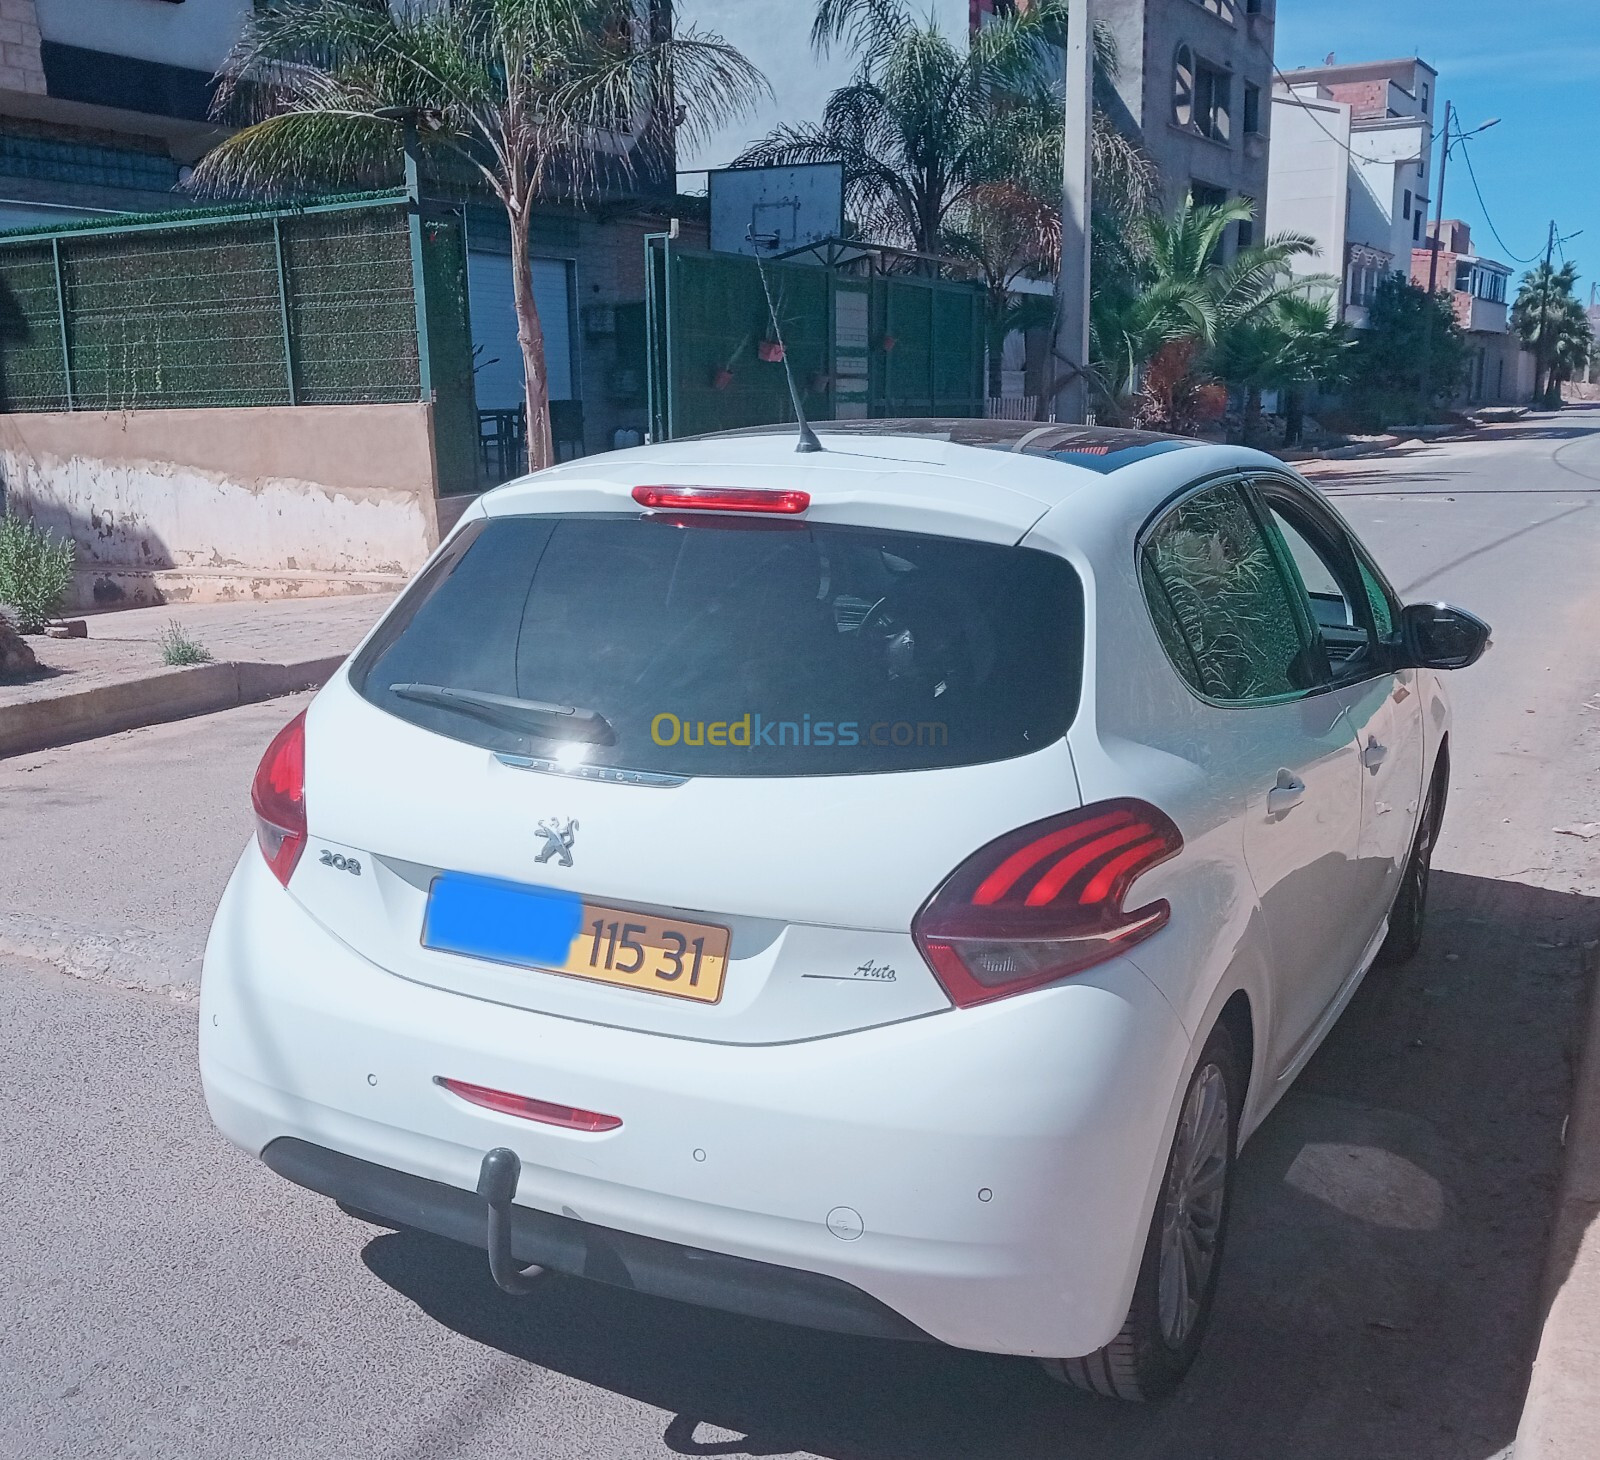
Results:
1436 636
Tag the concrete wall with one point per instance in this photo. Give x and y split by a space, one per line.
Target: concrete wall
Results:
196 34
1148 34
197 505
1309 191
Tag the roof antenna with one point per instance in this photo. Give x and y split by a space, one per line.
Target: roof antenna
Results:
808 438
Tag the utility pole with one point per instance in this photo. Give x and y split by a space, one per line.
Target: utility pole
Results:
1069 360
1435 243
1540 390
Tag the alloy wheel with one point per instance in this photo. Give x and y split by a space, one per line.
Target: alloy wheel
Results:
1191 1219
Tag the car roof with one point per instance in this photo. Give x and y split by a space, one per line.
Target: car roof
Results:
991 479
1102 449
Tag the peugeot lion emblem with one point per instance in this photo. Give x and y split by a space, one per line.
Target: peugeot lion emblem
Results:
558 840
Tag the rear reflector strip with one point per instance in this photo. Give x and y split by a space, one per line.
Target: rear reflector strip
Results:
722 499
568 1117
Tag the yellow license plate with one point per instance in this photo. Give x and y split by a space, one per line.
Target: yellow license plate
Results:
542 927
662 955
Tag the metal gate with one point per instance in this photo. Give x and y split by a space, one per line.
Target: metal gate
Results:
859 345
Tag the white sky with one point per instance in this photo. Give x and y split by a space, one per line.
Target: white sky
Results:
775 35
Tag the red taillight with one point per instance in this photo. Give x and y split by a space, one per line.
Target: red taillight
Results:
1045 901
278 794
722 499
569 1117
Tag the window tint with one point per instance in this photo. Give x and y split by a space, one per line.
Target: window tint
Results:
1220 603
732 647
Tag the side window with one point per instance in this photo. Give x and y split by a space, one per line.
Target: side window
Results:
1378 599
1340 592
1221 605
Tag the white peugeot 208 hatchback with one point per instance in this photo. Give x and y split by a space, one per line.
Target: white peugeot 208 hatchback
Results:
875 889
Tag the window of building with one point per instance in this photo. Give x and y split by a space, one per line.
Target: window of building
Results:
1416 227
1183 88
1223 9
1213 102
1464 273
1408 205
1424 98
1252 110
1202 96
1362 287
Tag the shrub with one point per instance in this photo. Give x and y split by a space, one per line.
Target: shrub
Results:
178 649
35 571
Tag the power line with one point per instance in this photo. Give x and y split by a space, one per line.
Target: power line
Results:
1261 46
1511 253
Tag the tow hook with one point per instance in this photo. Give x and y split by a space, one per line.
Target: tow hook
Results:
497 1184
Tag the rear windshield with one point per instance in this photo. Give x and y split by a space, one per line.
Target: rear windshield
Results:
732 648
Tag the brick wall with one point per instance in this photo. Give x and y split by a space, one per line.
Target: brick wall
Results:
20 66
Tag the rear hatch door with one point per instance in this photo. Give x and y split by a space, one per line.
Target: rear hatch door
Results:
689 775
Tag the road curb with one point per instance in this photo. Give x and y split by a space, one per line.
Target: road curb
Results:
1561 1416
173 694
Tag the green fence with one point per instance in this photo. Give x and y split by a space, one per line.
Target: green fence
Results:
297 307
883 345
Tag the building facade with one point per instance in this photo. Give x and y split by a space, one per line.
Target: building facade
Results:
105 105
1193 87
1352 166
1499 370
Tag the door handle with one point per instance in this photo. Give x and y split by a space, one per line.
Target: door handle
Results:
1374 755
1286 795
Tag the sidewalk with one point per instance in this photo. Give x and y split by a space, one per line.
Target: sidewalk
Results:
115 679
1561 1419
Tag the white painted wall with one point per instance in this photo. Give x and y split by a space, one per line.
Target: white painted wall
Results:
226 503
1384 164
1308 190
196 34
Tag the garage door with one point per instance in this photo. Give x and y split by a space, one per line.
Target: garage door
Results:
499 376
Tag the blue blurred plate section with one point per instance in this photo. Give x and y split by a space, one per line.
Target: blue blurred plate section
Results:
504 922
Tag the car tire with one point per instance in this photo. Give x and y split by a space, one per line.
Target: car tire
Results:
1409 916
1167 1319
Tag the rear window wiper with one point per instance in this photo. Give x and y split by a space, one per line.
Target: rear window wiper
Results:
537 717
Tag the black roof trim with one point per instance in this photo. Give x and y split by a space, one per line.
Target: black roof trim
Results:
1104 449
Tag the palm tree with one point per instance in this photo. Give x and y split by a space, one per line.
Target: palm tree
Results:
534 98
1181 302
1291 343
928 124
1554 325
1007 234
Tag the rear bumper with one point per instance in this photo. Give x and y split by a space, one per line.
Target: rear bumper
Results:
986 1175
581 1249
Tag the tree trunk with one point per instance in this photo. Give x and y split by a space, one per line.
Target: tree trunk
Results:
997 339
530 337
1294 417
1252 414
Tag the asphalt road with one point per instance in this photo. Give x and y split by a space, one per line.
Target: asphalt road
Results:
164 1295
